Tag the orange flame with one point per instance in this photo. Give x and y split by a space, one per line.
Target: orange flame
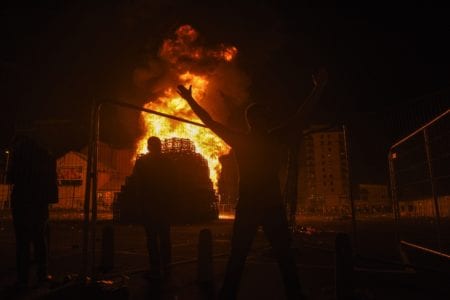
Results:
183 52
209 145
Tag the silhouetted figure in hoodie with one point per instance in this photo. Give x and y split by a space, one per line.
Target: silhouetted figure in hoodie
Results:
260 201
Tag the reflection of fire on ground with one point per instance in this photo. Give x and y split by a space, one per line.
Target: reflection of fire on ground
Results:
226 216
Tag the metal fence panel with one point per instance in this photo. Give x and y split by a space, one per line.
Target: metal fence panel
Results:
420 176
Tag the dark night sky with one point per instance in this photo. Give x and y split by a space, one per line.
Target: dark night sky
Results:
55 58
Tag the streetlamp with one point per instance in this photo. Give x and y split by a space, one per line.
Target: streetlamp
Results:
5 175
6 166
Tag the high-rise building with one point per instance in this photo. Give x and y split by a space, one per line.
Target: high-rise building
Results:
323 171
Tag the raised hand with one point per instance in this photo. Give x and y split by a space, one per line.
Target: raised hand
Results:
184 92
320 78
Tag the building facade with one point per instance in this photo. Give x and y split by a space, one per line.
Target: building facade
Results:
323 172
113 166
373 199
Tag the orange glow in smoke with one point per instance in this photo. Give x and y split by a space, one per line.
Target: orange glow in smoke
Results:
209 145
229 53
184 47
184 52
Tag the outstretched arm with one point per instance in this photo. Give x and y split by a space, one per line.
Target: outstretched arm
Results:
223 132
297 121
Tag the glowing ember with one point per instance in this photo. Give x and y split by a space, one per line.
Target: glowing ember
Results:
206 142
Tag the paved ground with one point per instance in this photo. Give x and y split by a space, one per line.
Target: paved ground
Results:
314 248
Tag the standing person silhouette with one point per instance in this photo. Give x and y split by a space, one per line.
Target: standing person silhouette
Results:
260 201
32 172
154 174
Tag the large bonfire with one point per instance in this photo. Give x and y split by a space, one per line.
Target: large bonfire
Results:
209 145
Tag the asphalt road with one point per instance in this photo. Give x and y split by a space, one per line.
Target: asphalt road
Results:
375 246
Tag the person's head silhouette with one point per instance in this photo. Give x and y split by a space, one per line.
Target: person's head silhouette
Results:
154 145
257 117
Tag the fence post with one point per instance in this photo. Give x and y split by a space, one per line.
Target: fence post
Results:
350 182
204 263
95 180
343 267
290 189
87 196
437 214
107 259
394 197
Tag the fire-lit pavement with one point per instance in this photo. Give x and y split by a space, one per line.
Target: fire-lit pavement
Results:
314 248
130 259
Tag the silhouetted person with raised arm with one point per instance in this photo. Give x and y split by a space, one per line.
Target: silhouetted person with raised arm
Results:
32 172
154 174
260 201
